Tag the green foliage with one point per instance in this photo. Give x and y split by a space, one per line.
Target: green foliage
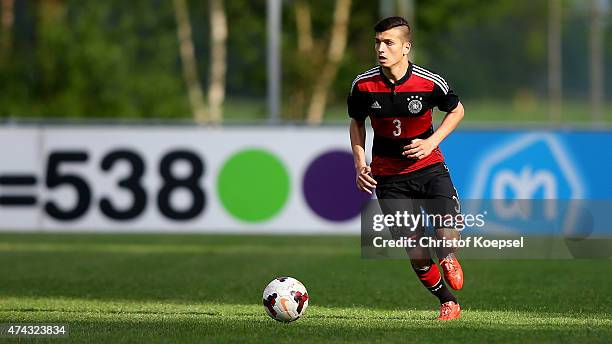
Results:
120 59
94 59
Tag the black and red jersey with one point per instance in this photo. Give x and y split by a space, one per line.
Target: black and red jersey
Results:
399 112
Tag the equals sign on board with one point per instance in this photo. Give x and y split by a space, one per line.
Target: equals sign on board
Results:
17 180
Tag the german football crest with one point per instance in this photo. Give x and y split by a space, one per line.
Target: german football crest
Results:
414 104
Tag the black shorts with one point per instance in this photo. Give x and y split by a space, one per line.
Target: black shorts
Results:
429 190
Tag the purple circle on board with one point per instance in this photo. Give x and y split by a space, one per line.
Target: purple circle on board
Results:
329 187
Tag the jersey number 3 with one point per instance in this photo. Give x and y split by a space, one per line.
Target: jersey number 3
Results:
398 126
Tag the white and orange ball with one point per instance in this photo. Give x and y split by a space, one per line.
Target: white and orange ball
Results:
285 299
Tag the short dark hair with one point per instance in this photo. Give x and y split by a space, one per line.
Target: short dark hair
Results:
391 22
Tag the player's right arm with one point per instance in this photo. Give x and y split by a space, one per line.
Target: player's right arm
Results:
357 110
364 180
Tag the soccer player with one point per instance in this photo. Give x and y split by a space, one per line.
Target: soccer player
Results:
407 164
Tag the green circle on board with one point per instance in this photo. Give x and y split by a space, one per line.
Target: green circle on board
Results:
253 185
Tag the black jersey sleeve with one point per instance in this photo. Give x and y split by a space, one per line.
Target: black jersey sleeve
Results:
445 101
357 104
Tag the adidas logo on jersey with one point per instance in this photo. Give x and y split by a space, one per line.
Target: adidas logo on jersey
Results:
375 105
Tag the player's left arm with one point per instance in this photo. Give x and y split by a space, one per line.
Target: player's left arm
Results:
421 148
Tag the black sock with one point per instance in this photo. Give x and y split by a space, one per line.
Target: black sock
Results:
432 280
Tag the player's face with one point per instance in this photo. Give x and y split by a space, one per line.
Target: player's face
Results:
391 47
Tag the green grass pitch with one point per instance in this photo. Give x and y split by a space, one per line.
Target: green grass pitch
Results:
207 288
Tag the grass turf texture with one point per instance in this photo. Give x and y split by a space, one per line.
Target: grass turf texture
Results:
190 288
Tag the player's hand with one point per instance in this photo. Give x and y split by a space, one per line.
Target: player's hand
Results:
418 149
365 182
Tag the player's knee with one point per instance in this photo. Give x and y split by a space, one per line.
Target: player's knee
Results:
448 233
420 264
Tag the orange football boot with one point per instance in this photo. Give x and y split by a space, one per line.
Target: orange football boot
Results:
453 273
449 311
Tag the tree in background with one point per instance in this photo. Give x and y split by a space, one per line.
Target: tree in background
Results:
6 28
312 67
218 63
121 59
335 52
92 59
596 65
305 54
188 61
555 84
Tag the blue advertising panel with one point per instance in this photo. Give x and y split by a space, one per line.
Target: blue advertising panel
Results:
499 164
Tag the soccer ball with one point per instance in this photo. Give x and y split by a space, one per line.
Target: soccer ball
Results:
285 299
